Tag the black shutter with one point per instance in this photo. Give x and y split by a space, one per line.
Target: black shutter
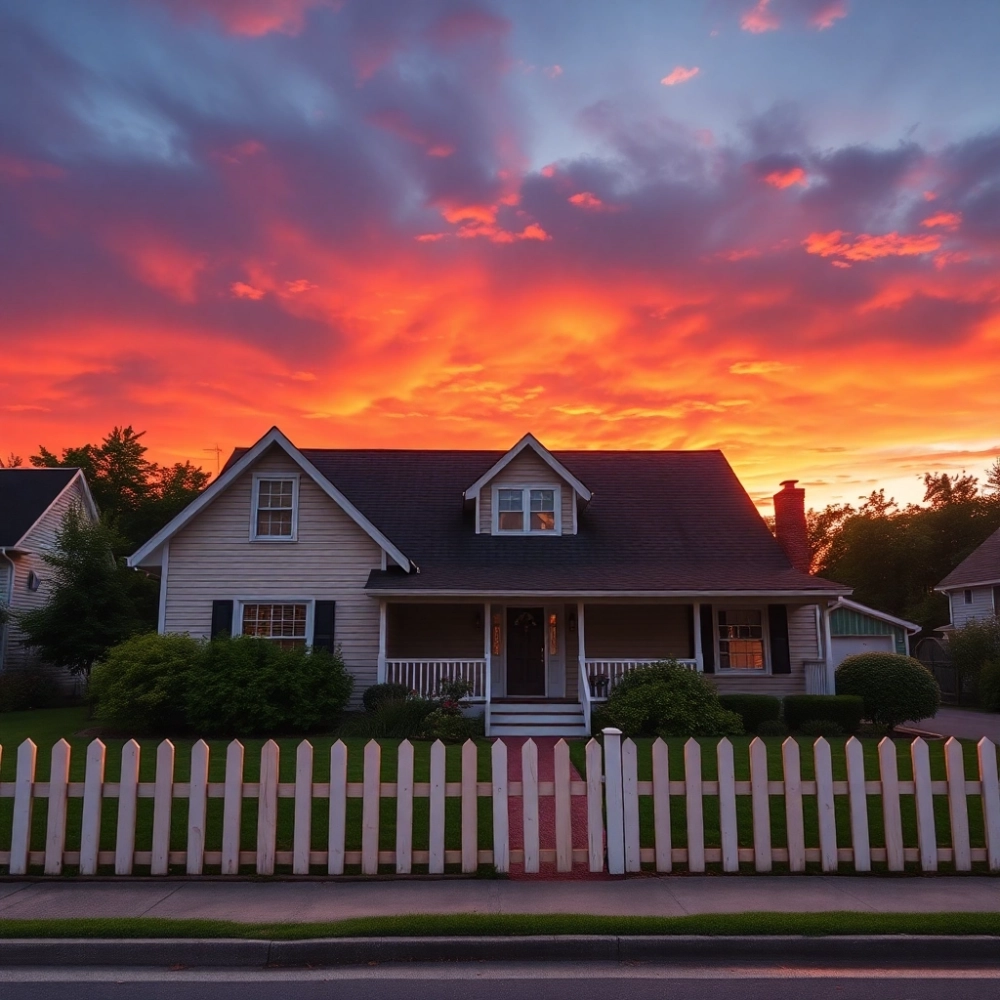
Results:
707 639
324 618
222 618
777 624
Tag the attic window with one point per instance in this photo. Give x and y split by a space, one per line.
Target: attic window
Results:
275 508
526 510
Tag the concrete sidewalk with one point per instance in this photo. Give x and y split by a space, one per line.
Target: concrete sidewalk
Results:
287 902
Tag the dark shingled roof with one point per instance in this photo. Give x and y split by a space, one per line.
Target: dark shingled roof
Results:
25 495
658 521
982 566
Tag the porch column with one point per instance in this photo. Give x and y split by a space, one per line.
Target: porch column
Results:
487 656
381 639
699 655
831 682
581 649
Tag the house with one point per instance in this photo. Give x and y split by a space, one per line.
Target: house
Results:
973 586
33 503
856 628
541 577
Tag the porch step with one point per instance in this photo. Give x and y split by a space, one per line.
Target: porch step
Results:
541 718
560 731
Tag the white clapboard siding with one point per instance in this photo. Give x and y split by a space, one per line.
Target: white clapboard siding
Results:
612 788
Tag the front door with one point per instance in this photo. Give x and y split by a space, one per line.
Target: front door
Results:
526 652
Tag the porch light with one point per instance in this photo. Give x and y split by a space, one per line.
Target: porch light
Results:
496 635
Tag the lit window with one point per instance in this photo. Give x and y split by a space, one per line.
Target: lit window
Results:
274 508
553 635
526 510
284 623
510 510
543 510
741 639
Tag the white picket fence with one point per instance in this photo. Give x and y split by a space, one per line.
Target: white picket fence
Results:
611 787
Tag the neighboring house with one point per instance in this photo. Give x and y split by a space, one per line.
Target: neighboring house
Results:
856 628
541 577
973 586
33 503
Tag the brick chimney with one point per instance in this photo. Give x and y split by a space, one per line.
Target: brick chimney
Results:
790 524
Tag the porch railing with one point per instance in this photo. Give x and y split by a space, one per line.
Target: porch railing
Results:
603 675
425 676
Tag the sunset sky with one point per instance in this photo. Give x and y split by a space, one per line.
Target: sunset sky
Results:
769 227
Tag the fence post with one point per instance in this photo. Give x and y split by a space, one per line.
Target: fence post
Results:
501 815
614 800
232 809
93 796
198 808
529 800
694 805
302 831
760 804
630 806
267 808
404 808
55 833
727 806
338 809
595 807
564 811
892 819
926 833
990 796
128 797
958 806
24 800
661 806
370 808
858 799
470 807
825 806
791 765
163 803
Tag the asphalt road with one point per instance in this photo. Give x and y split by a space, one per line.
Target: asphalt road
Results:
503 982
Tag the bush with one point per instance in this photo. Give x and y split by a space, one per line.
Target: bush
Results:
443 724
28 688
397 718
772 727
140 686
820 727
846 711
753 709
248 686
666 699
971 646
989 685
377 694
894 688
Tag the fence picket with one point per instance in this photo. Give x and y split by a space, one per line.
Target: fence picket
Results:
791 766
727 806
370 808
614 802
470 807
892 820
661 806
529 799
93 798
760 802
24 800
232 809
302 835
338 809
404 808
823 764
990 797
55 831
436 844
694 806
630 806
858 800
197 808
595 807
128 797
958 805
163 803
926 833
267 808
501 822
564 812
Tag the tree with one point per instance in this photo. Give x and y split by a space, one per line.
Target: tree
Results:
94 603
13 461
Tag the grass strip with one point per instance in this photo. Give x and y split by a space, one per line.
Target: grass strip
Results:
515 924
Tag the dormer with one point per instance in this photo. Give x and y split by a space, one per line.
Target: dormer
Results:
527 492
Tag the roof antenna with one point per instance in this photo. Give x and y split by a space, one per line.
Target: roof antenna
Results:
217 451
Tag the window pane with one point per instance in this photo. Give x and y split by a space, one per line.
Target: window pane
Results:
286 622
543 500
509 500
510 520
543 521
275 494
741 639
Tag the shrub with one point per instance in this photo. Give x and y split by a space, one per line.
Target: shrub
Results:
846 711
820 727
21 690
894 688
397 718
443 724
377 694
246 686
972 645
772 727
140 686
989 685
666 699
753 709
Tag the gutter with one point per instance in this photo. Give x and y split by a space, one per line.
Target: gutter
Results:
809 596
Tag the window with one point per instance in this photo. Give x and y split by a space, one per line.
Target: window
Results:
527 509
275 504
741 639
284 623
968 597
553 635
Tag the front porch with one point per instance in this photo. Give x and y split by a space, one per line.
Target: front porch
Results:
538 668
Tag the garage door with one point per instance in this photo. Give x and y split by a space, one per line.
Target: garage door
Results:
848 645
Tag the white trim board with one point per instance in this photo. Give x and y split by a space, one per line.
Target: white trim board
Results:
953 587
807 597
528 441
272 437
863 609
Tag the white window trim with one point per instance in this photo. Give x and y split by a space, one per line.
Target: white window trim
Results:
259 477
309 602
525 489
765 637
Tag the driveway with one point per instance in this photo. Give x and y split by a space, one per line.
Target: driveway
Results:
963 723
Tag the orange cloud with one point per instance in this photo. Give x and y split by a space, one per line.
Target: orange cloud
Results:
241 290
586 199
829 14
868 247
758 367
943 220
786 178
679 74
252 18
760 18
485 214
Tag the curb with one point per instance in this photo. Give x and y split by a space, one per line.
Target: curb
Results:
855 950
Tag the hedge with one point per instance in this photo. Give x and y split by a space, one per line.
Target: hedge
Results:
844 709
753 709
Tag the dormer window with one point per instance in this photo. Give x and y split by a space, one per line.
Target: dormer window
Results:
526 510
275 508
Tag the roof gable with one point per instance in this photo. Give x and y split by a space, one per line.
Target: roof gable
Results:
25 496
981 567
864 609
528 441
